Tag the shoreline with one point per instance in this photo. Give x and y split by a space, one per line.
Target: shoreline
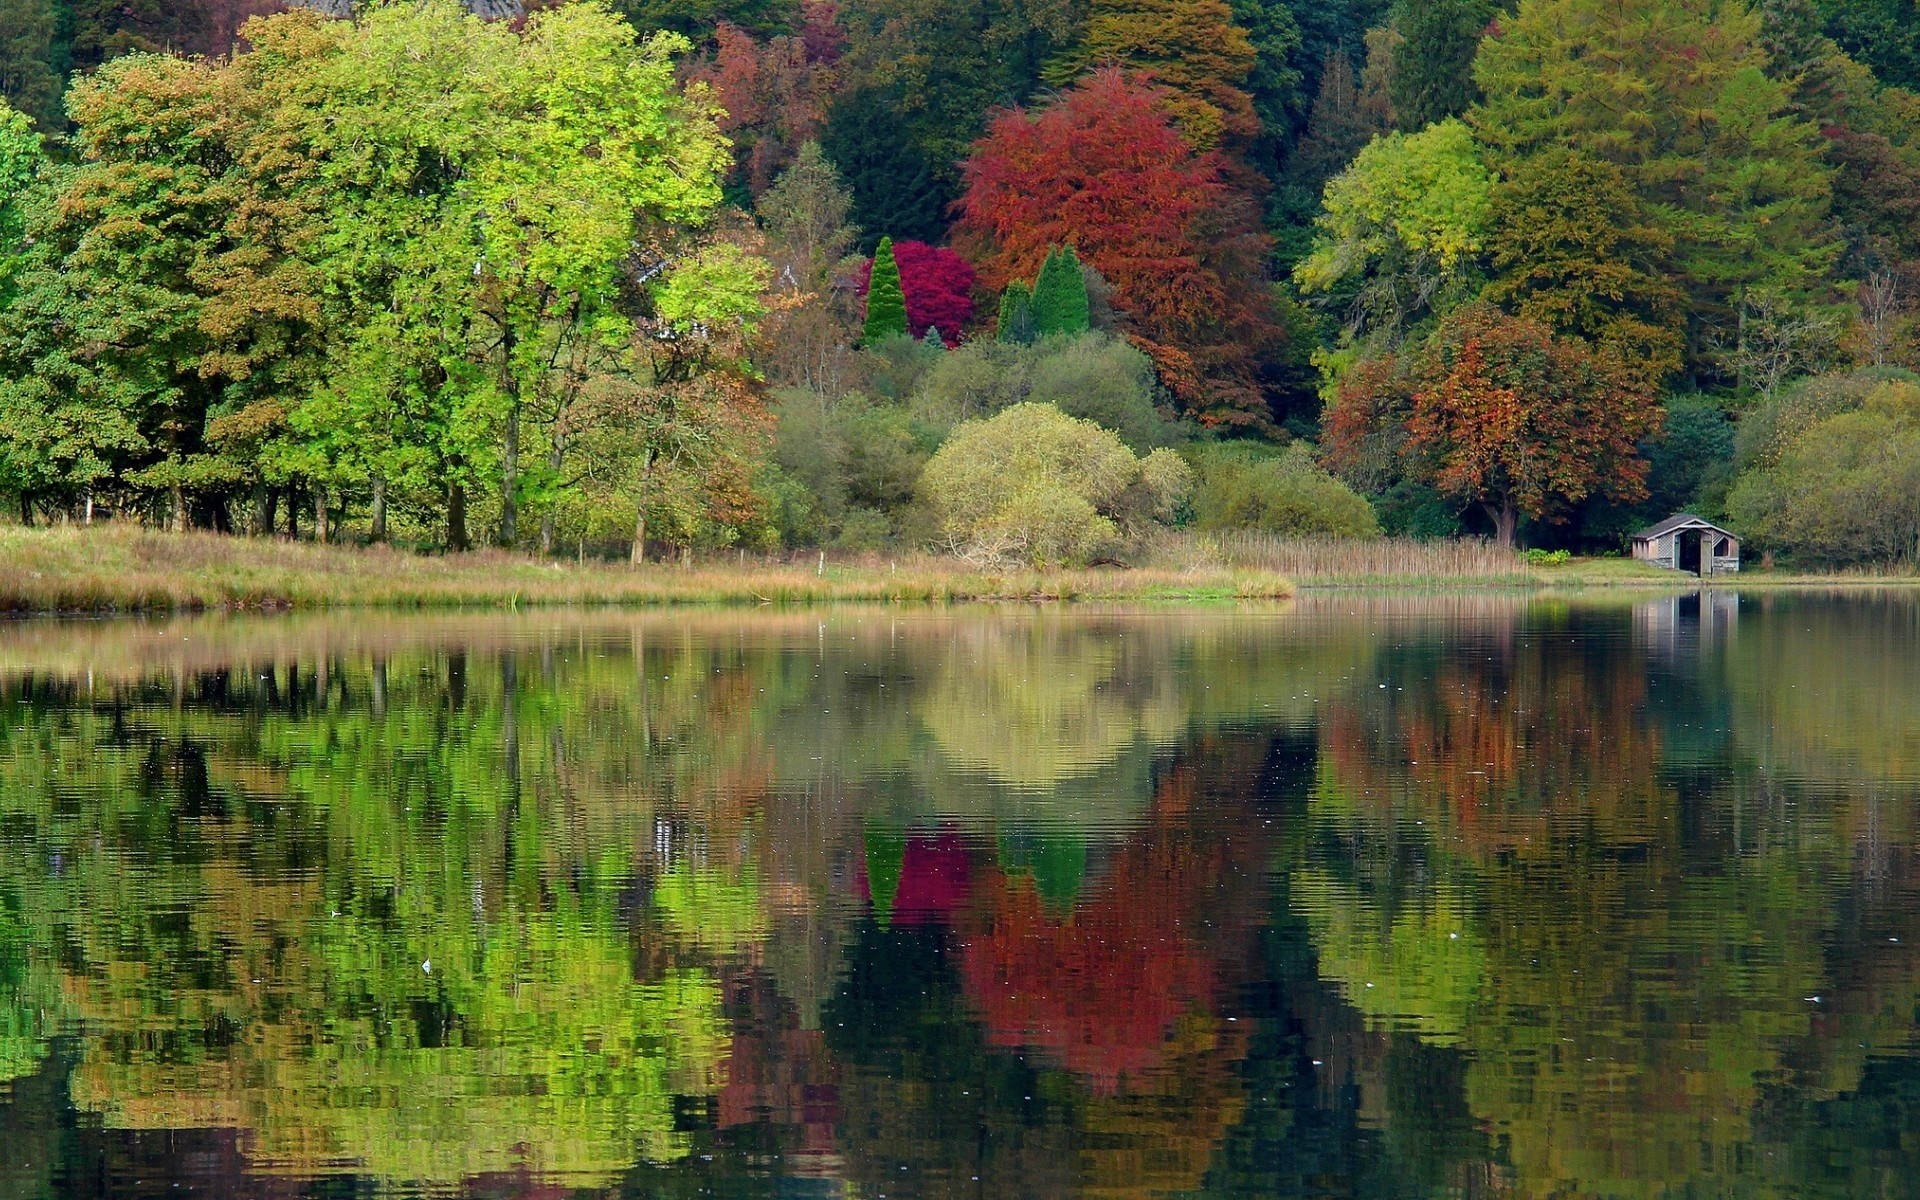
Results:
108 570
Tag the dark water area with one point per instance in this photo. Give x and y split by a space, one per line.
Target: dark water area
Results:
1359 897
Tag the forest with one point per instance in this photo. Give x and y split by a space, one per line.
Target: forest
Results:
1023 280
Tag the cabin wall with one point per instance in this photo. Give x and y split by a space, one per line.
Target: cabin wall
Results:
1660 551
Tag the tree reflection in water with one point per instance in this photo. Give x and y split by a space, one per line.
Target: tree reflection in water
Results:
1366 898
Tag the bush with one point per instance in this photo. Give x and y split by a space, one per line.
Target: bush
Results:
840 469
1774 424
1034 484
1246 486
1090 375
1844 489
1547 558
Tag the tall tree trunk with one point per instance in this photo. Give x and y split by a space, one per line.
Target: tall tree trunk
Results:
1506 520
457 517
510 450
554 462
379 508
320 514
177 497
262 511
26 509
640 509
89 505
509 479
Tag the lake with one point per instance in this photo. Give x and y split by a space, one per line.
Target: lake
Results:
1361 896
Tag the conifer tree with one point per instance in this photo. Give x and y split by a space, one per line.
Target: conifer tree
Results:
1016 314
1433 71
1060 294
886 302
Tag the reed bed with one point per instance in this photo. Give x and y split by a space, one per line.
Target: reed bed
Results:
1330 562
118 568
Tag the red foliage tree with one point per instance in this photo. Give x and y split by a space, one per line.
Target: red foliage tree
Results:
939 288
1521 421
775 92
1105 170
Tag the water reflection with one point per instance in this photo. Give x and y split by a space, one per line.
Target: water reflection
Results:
1395 897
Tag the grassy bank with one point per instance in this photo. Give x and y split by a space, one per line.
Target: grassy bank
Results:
119 568
124 569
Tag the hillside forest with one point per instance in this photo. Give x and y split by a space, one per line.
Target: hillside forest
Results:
1019 279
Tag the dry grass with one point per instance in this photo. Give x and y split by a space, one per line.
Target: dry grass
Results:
113 568
1328 562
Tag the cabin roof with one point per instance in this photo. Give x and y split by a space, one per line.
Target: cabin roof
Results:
1678 522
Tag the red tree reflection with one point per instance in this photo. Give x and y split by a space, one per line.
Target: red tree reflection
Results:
1101 990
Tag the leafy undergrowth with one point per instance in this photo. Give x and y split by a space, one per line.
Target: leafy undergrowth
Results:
126 569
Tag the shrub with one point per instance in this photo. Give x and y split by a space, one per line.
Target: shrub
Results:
1037 485
1247 486
1092 376
1547 558
1845 489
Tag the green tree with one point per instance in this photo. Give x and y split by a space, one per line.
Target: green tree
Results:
1403 229
1060 295
892 179
886 302
1570 244
1674 93
1842 490
1433 66
1245 486
1016 324
697 18
28 80
22 154
1275 82
1035 485
1884 34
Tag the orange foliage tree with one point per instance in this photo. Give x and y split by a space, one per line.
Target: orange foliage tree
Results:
1501 412
1104 169
1192 47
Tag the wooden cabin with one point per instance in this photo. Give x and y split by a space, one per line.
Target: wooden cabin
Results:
1688 543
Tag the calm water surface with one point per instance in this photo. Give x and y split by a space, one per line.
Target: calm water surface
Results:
1361 897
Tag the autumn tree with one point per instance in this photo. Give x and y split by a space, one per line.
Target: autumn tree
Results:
1104 169
1192 48
773 97
806 216
1509 416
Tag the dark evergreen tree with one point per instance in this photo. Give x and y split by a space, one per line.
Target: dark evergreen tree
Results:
1433 68
1884 34
1329 27
1275 82
1060 294
892 183
886 301
696 18
28 80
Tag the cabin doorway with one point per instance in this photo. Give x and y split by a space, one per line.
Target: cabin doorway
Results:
1686 550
